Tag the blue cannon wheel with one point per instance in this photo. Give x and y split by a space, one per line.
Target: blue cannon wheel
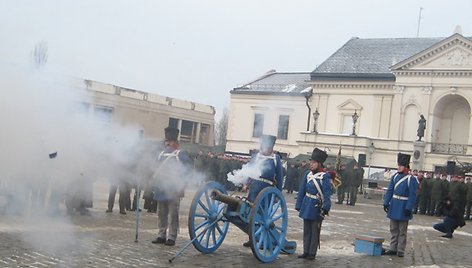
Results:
268 224
205 219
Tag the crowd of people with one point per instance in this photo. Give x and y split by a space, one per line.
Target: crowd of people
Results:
351 180
413 192
434 188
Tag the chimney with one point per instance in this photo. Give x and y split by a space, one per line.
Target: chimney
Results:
458 30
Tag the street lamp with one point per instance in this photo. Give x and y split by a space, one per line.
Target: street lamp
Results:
307 93
355 116
316 115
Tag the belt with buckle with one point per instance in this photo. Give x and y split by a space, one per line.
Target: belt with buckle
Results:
399 197
312 196
265 180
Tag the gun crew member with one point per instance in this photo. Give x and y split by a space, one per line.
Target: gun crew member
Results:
399 202
171 177
270 167
313 203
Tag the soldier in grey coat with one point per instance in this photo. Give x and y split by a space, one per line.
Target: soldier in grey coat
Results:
356 181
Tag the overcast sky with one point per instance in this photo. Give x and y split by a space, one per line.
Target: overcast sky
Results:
199 50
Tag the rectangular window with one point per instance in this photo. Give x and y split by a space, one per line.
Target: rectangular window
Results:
282 132
204 134
187 128
103 113
188 133
173 122
80 110
258 125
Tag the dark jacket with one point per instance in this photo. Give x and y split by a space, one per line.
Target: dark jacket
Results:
451 213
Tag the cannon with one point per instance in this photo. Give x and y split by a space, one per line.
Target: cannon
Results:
264 220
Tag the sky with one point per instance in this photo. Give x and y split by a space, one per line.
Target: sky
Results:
199 50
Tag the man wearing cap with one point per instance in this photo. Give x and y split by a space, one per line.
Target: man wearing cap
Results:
399 202
270 167
170 181
314 202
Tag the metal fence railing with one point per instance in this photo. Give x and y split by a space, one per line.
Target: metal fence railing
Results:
448 148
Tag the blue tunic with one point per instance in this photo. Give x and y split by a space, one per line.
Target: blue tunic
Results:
309 201
171 175
271 171
402 197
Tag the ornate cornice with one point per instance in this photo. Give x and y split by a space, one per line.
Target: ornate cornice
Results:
356 86
438 50
434 73
399 89
427 90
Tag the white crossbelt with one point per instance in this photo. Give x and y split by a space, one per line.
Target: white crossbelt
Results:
265 180
399 197
312 196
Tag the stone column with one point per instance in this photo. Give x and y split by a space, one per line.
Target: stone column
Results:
197 135
179 126
395 115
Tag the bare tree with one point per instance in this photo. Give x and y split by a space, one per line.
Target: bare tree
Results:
39 55
222 128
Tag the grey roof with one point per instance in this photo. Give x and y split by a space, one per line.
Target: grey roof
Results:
371 57
275 83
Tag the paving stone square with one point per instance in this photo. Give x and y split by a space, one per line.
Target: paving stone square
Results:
108 240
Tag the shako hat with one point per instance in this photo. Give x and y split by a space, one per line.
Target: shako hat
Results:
268 141
403 159
318 155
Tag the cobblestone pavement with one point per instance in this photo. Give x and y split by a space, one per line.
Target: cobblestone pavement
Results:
108 240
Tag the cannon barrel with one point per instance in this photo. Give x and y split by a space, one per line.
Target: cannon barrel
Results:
232 202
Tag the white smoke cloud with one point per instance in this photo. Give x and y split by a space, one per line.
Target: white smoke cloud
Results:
41 114
253 169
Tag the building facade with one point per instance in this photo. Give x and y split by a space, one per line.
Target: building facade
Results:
272 105
150 113
368 97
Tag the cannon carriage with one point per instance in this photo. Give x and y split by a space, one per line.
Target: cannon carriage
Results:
264 220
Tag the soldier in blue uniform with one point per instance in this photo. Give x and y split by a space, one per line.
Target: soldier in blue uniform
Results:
271 170
170 181
314 202
399 202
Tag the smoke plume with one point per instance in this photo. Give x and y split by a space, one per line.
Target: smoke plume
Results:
252 169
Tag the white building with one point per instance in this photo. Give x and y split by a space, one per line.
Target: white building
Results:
151 113
388 83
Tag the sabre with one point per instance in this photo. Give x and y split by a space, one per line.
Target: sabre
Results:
319 230
138 193
191 241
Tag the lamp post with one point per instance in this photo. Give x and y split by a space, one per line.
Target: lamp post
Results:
316 115
307 93
355 116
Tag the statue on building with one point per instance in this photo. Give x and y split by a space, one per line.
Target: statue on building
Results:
421 127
